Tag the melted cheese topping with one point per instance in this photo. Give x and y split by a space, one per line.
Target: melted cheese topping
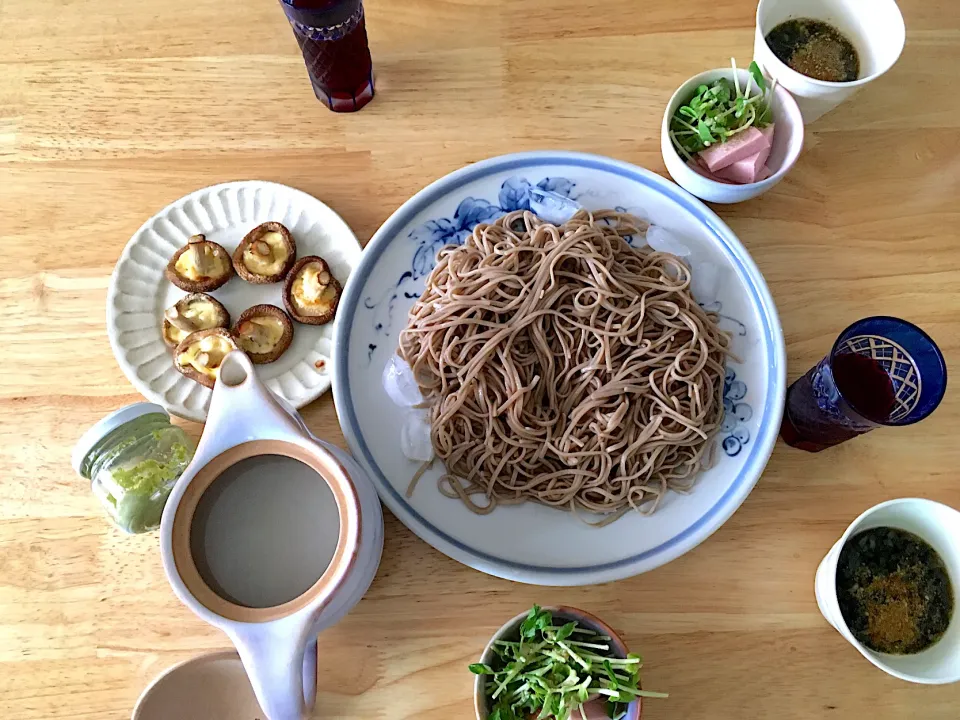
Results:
309 295
214 347
202 314
260 334
201 255
270 264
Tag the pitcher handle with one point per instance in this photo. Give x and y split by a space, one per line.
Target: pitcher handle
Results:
282 669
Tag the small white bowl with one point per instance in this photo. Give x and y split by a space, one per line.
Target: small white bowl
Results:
939 525
875 28
787 142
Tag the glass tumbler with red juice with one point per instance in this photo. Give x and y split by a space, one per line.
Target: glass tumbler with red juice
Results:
332 35
881 371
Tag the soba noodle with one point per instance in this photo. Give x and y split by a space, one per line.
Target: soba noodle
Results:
562 366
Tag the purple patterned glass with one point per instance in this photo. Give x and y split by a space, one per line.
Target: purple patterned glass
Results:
332 35
881 371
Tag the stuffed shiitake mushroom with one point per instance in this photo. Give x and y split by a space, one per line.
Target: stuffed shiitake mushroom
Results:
265 254
199 266
200 354
311 292
264 332
193 312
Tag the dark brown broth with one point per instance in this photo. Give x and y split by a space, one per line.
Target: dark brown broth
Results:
815 49
894 591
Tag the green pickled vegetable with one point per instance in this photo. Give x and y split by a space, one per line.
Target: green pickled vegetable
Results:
138 513
145 487
148 475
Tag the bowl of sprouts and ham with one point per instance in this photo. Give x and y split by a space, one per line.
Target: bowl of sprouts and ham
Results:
730 134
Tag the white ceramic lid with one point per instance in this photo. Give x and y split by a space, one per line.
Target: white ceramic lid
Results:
106 426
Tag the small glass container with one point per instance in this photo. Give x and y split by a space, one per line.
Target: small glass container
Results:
132 459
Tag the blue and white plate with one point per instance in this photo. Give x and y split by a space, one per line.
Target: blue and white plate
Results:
532 543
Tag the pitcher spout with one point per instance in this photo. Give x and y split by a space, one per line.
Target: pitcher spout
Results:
243 408
281 661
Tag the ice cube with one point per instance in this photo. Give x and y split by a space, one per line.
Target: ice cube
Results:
662 240
705 281
551 206
638 212
415 436
399 383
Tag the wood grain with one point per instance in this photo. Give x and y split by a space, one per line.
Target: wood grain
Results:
109 111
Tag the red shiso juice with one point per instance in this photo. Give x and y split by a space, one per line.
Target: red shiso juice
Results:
861 382
332 35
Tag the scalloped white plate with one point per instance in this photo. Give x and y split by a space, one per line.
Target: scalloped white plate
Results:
139 292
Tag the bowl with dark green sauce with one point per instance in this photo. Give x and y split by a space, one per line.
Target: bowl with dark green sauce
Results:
816 49
894 591
823 51
889 587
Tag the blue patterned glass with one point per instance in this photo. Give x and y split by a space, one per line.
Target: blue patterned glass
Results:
881 371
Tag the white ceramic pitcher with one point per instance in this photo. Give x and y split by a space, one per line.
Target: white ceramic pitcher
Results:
278 643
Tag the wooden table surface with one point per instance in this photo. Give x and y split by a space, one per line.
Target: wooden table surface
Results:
111 110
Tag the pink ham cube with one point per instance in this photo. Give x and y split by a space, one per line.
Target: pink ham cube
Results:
740 146
748 170
700 169
768 134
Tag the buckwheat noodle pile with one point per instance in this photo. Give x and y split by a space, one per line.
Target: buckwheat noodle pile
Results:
564 367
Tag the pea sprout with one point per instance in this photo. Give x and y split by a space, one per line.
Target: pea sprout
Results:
553 669
718 111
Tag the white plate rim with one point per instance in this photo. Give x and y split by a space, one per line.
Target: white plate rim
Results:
129 369
676 546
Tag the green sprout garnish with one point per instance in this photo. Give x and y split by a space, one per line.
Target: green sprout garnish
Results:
553 669
718 111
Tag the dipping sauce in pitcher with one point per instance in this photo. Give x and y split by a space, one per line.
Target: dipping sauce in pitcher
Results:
265 531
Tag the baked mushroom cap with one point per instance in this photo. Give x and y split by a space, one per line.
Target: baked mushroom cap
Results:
193 312
199 355
265 254
263 332
311 293
199 266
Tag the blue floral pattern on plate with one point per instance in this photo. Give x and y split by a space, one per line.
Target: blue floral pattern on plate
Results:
434 234
736 414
